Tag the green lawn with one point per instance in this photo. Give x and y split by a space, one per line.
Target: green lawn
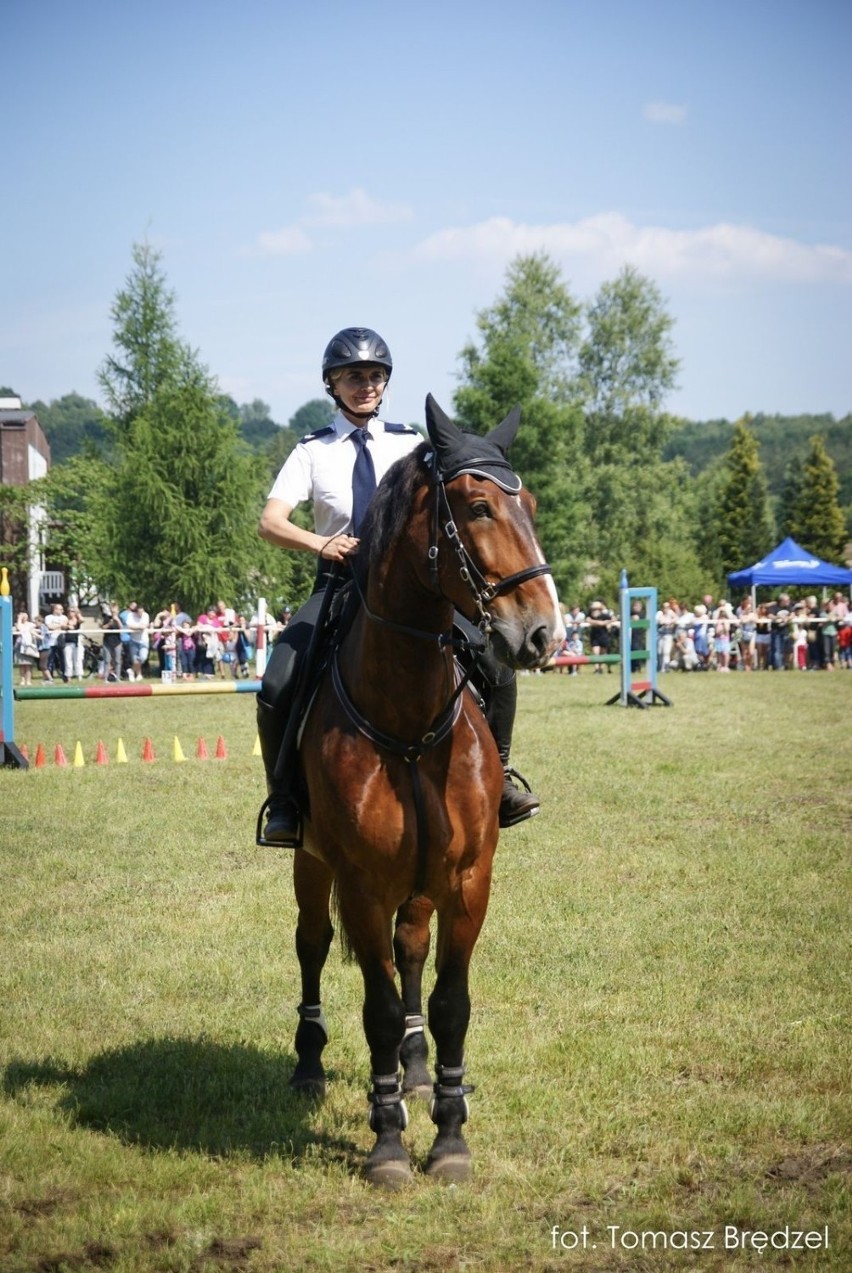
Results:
661 1001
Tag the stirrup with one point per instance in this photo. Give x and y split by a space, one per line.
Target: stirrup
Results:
290 841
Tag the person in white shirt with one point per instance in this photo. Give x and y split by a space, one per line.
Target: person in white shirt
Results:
138 622
327 468
356 368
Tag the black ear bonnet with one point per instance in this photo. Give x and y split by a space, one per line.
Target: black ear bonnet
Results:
457 452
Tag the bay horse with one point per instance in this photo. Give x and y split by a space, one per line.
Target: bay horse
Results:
402 776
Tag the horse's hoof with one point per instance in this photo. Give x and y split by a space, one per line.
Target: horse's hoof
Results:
450 1169
313 1089
391 1173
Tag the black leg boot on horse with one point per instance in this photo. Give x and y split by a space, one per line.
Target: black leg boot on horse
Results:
517 802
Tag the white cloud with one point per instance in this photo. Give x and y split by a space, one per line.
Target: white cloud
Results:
354 208
290 240
609 240
664 113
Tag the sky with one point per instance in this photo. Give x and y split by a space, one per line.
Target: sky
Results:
305 167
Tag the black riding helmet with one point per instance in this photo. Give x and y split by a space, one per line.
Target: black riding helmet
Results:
354 345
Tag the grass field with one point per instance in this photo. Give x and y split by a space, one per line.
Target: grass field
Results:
661 1002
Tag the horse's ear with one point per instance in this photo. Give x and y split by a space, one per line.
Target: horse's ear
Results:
442 432
504 435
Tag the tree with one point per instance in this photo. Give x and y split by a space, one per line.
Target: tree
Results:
743 520
73 425
185 517
256 424
819 521
627 366
311 416
790 500
527 355
641 516
149 353
186 493
77 496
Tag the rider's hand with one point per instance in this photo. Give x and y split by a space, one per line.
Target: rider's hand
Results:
338 547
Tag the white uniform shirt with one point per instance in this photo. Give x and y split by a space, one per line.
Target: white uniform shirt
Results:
319 468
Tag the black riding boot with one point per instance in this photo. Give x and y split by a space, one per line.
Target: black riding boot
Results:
283 823
517 803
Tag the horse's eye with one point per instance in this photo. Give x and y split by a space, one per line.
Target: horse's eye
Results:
480 509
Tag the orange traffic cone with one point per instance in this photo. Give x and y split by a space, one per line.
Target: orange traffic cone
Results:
59 757
40 757
101 756
221 749
201 750
25 751
148 750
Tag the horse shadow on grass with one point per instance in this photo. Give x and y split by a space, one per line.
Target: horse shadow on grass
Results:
192 1095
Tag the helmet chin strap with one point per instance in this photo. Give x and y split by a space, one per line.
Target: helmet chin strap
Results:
359 415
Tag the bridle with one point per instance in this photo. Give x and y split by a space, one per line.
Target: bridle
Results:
481 590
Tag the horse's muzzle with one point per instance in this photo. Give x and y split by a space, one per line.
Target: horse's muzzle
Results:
524 646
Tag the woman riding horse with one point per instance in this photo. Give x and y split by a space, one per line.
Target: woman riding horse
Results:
337 468
402 776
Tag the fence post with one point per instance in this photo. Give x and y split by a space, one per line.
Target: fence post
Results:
10 756
643 693
260 638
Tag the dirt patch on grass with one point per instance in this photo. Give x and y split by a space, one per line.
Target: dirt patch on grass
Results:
811 1166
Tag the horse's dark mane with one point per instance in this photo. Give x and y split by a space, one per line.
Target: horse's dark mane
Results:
390 510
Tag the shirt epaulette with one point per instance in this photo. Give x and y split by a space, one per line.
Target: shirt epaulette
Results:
398 428
318 433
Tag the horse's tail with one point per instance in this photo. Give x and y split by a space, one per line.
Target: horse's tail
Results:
346 947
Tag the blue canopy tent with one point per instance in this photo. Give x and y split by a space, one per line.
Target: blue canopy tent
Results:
787 565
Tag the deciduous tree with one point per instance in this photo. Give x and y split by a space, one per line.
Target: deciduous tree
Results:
527 355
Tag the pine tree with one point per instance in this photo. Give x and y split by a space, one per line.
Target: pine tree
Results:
790 501
181 521
743 521
819 519
148 351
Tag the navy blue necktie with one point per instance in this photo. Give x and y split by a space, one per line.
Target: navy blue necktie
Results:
363 478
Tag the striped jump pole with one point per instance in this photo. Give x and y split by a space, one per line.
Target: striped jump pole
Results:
639 693
134 689
10 755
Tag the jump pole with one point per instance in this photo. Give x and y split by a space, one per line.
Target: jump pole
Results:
10 756
638 693
147 689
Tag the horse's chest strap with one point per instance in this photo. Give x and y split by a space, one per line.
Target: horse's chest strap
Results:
410 753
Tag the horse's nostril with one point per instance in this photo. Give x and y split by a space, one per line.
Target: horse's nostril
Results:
541 638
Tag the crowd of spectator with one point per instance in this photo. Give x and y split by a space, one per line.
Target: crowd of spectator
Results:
807 634
128 644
